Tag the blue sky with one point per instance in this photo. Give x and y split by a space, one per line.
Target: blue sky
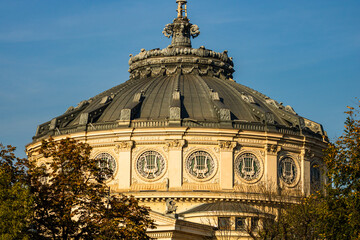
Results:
54 54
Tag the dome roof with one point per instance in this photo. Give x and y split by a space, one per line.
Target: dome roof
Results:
180 86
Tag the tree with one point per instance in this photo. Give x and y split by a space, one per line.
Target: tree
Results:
72 200
15 200
341 220
335 213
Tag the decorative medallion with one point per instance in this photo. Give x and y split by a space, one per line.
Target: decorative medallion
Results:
248 167
288 170
200 164
107 161
150 164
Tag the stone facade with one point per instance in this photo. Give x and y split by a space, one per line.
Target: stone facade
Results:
222 178
182 131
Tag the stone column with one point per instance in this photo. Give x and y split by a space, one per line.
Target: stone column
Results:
305 158
175 163
226 164
123 150
271 165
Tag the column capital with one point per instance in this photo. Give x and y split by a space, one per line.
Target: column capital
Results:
307 153
174 144
272 149
123 146
227 145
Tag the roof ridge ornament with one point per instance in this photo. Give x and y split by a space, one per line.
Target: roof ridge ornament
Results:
181 29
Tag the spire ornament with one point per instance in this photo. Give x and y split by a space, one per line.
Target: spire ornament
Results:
181 8
181 29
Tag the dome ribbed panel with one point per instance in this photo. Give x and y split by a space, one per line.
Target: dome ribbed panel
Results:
122 99
230 97
157 97
196 99
260 100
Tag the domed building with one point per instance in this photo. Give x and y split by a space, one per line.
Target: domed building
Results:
192 144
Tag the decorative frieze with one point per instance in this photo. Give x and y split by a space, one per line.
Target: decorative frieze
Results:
201 187
148 186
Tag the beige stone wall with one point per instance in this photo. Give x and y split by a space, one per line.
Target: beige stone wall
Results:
176 145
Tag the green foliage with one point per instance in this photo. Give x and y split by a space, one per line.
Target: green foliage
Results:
341 219
72 200
15 200
335 213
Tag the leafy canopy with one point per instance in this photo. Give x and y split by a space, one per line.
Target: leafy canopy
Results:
15 199
72 200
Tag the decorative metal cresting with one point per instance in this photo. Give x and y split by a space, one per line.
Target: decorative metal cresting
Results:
181 29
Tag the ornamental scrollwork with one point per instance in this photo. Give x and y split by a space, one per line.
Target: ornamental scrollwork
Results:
194 30
123 146
272 148
227 145
175 144
168 30
307 153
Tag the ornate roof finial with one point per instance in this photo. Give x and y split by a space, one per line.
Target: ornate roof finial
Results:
181 29
181 9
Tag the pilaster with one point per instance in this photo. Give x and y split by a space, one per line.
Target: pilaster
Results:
271 165
306 155
226 164
123 150
175 163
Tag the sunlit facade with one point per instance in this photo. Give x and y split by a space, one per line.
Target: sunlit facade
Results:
181 128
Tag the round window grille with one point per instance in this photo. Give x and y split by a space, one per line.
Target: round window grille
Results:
200 164
248 166
150 164
107 164
287 170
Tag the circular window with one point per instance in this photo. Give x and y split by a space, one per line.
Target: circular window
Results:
287 170
107 164
200 164
248 166
150 164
